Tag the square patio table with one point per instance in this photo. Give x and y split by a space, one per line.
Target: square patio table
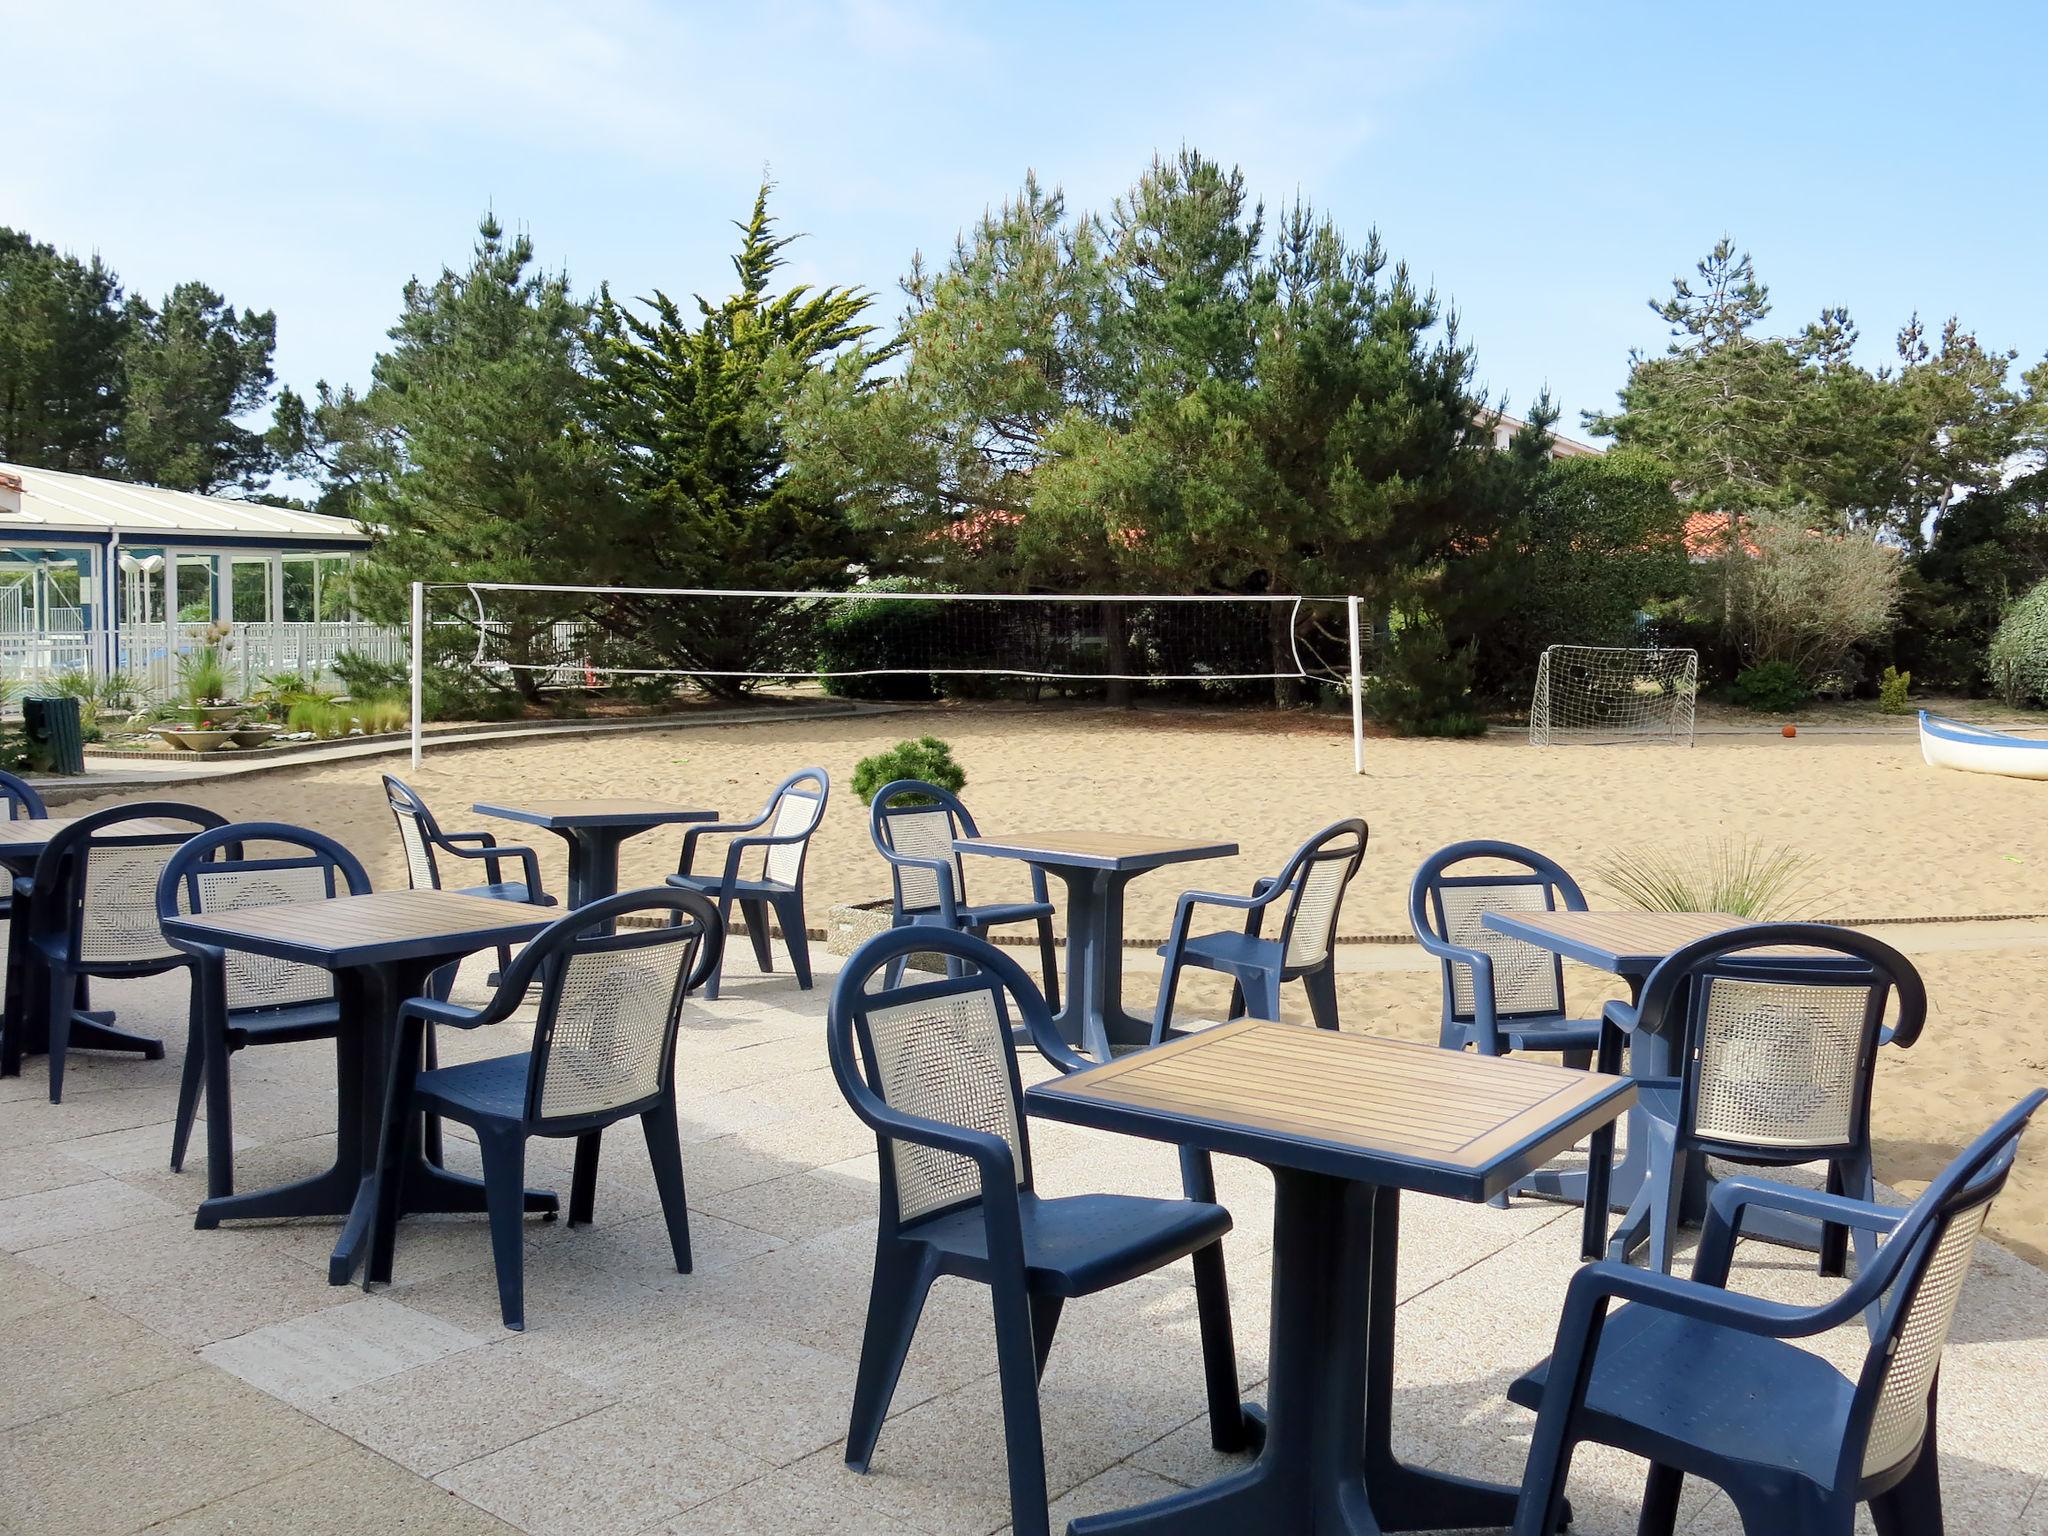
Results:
1344 1123
1632 944
380 948
24 1014
1095 867
593 829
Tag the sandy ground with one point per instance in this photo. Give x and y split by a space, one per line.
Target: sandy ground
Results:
1893 837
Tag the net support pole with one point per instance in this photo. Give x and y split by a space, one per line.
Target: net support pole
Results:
1351 605
419 607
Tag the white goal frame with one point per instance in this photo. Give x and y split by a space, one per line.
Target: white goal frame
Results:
1647 693
1352 623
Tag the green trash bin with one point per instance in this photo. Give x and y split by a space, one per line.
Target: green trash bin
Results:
54 727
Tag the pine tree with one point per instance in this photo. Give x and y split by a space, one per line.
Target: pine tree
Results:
62 330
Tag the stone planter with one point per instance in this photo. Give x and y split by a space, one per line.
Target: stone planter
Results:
849 927
255 735
188 740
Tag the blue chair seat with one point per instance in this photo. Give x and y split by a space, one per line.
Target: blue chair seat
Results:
494 1089
1080 1244
1555 1033
1227 951
316 1020
1695 1396
508 890
741 890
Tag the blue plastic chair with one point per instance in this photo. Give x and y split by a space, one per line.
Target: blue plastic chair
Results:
604 1045
913 825
241 999
932 1068
1776 1066
1701 1381
1499 994
425 843
94 913
21 798
791 817
1313 881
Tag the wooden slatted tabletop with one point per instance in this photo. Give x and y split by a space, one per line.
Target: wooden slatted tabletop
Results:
597 812
1629 943
1388 1112
367 930
1097 850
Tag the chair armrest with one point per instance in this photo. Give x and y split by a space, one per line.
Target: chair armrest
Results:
990 1152
481 839
709 829
1602 1282
1733 1197
1485 1019
434 1011
940 869
494 858
1623 1016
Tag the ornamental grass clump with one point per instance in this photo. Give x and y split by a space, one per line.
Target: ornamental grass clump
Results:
1742 877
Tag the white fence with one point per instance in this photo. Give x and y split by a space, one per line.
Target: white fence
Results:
251 652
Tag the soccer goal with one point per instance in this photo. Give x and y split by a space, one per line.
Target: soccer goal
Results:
1595 693
580 637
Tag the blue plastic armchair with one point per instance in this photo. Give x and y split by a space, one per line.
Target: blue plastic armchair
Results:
1704 1382
21 798
604 1045
1312 884
425 844
791 817
95 910
1777 1058
1499 994
241 999
932 1068
913 825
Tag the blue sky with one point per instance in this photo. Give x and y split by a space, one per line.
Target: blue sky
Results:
1547 167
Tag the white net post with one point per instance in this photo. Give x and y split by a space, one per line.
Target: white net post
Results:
1351 606
1594 694
419 624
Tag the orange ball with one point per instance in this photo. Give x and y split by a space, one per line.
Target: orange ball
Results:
1791 730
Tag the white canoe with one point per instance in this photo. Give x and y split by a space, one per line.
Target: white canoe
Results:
1946 743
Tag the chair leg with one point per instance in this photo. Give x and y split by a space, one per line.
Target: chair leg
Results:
665 1152
504 1159
796 937
1049 963
1023 1432
1660 1501
757 935
903 1278
62 995
1913 1505
1162 1011
1580 1061
1667 1195
188 1079
1212 1311
1322 994
1262 994
1045 1322
583 1180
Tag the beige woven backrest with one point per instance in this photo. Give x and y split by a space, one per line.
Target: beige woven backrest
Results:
1321 886
1781 1064
944 1058
795 815
609 1030
1901 1418
1525 978
419 859
117 918
923 833
260 981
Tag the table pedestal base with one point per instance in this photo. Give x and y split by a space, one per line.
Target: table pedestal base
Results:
1328 1462
1093 1018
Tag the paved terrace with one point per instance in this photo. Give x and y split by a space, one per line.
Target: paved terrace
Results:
157 1378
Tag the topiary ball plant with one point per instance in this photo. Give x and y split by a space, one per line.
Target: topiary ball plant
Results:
926 758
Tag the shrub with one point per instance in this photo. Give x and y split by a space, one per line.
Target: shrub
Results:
926 758
362 674
1424 686
1892 689
867 634
1771 687
1744 879
1808 599
2017 660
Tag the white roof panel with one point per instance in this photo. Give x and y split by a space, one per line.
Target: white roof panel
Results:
60 503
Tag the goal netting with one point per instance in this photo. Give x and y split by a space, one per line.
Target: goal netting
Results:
580 637
1593 694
